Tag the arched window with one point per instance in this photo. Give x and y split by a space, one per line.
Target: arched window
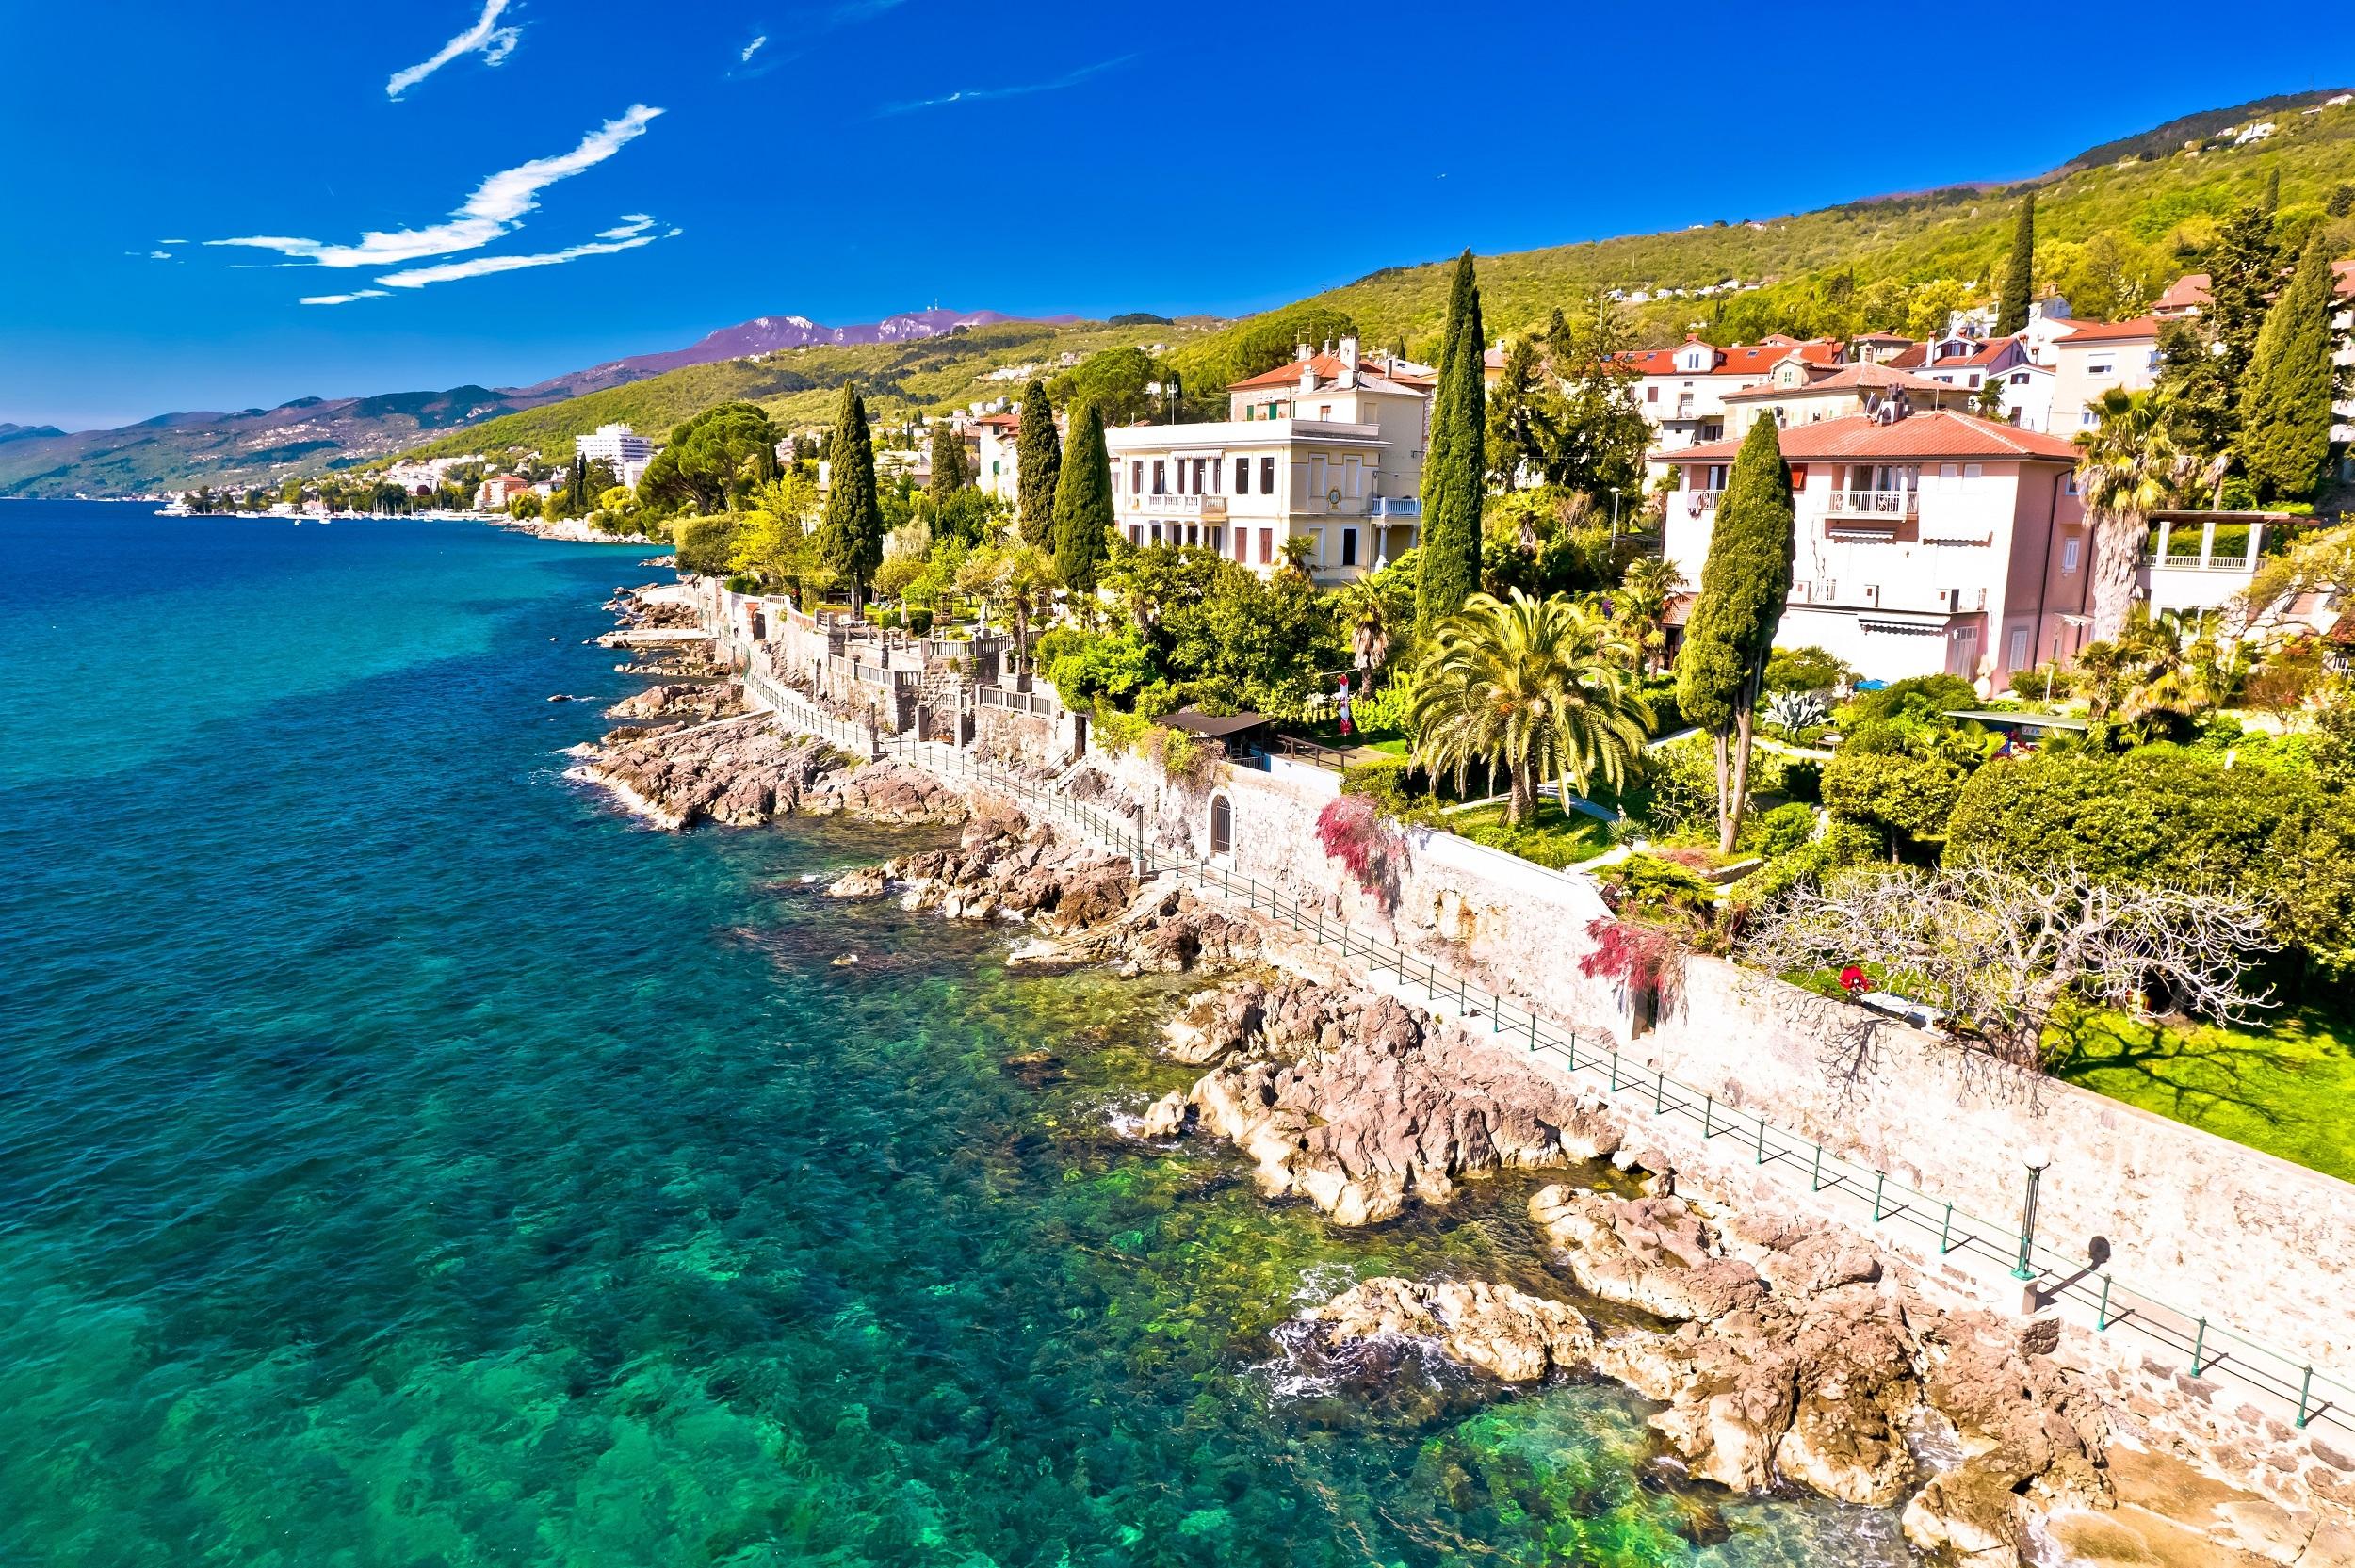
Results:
1222 825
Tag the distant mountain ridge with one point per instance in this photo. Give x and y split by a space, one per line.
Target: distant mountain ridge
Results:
179 450
766 335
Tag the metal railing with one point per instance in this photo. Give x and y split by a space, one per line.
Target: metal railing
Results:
857 739
1875 503
2214 1350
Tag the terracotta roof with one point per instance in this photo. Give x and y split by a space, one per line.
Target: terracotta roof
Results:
2189 292
1939 433
1848 378
2109 332
1330 372
1754 359
1978 358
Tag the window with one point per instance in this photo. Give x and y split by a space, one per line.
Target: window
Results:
1136 533
1218 539
1349 546
1243 545
1316 479
2068 485
1974 378
1243 476
1222 825
1156 533
1353 477
2069 555
1194 533
2102 368
1267 545
2086 420
1971 470
1267 476
1136 476
1948 470
2019 648
1325 411
1201 474
1160 477
1651 394
2019 378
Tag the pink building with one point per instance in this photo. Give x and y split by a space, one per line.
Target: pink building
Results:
1940 544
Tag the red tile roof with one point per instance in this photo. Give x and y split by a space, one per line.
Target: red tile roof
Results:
1755 359
1939 433
1330 373
2189 292
1848 378
2109 332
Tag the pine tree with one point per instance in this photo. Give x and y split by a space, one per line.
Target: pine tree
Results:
948 475
1744 582
2286 397
2244 269
1455 466
2011 312
1517 433
1039 451
1083 503
850 537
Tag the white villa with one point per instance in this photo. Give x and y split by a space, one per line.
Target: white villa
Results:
1327 449
1682 390
2095 356
1934 544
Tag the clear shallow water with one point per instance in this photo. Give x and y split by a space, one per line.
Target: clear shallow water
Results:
403 1159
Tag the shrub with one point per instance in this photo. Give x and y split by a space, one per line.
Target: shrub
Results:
706 546
1782 830
1802 778
1900 794
1538 848
1351 829
1805 670
920 621
741 582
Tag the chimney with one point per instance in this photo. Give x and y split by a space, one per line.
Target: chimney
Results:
1349 353
1301 353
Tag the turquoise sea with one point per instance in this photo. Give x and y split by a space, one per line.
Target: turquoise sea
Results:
404 1160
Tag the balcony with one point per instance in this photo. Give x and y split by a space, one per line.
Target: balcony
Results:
1890 504
1403 507
1177 506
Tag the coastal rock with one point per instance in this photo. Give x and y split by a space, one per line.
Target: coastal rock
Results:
1655 1254
1359 1102
1004 865
742 773
1517 1337
684 699
865 882
1166 1117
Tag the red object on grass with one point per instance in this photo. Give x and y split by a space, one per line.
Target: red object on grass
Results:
1852 979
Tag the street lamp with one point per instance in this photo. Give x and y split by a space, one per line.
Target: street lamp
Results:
2036 1157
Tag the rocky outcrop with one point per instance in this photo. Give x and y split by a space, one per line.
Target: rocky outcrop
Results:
744 773
1357 1103
1515 1337
1005 866
694 702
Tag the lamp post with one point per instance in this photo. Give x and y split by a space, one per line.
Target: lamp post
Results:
2036 1158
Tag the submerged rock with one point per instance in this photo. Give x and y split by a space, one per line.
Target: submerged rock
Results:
1517 1337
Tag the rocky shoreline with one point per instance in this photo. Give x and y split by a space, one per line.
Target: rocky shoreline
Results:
1783 1351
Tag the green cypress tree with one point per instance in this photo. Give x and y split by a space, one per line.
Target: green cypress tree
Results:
850 537
1039 453
2273 189
2011 312
1083 503
1745 584
2286 397
1455 464
948 475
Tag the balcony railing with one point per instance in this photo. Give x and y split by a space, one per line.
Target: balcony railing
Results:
1394 506
1875 503
1182 506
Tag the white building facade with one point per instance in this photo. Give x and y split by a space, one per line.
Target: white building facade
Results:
617 444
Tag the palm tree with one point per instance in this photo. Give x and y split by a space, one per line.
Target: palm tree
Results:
2129 468
1542 686
1642 602
1369 632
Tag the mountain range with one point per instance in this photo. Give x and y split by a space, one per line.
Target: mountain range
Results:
175 451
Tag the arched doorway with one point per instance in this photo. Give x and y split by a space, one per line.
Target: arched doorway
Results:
1222 825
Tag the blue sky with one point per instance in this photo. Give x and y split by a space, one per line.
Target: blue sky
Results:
544 183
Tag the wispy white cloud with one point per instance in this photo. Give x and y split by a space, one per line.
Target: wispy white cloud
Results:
485 37
159 255
846 12
753 48
494 210
171 242
482 266
346 298
980 95
631 226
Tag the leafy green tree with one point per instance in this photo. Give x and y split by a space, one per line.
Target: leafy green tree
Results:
706 546
1116 382
849 541
2129 465
2011 311
1014 580
1083 503
1039 451
1251 349
711 459
1455 468
1906 798
2285 399
948 475
1596 434
1542 686
1517 433
2244 269
1730 635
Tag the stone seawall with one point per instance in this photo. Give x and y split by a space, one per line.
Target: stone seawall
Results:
2203 1226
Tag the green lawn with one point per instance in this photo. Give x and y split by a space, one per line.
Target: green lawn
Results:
1554 838
2286 1090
